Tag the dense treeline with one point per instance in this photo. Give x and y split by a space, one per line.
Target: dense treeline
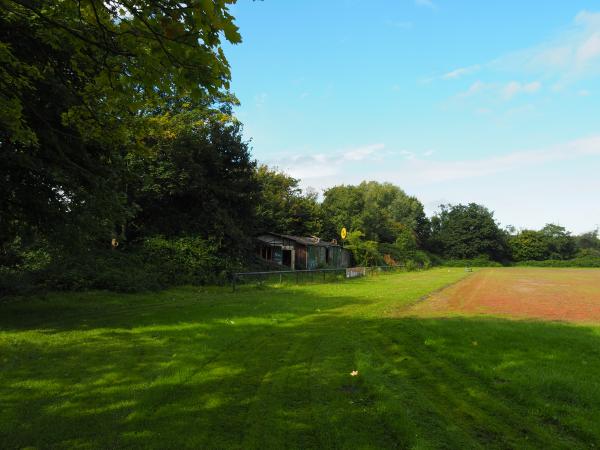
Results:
123 167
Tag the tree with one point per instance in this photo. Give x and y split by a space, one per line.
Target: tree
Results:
381 210
365 252
560 243
342 207
283 207
528 245
198 179
467 231
589 240
78 83
588 244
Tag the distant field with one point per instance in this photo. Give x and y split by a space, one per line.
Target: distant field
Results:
271 367
571 295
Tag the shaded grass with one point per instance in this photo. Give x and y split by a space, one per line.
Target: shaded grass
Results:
269 368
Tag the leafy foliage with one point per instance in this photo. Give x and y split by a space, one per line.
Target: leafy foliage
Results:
580 261
197 179
588 242
78 81
551 242
365 252
154 263
466 231
381 211
283 207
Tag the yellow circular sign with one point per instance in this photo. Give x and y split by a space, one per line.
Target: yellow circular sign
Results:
343 233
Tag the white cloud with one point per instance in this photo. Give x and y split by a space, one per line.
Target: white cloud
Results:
514 87
475 88
505 91
419 169
260 100
320 165
573 54
361 153
426 3
408 155
422 171
461 71
588 50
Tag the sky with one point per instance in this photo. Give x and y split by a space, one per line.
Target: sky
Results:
454 101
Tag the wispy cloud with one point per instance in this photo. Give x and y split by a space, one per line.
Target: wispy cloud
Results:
514 87
426 171
415 169
461 71
475 88
570 56
260 100
426 3
504 91
573 54
319 165
361 153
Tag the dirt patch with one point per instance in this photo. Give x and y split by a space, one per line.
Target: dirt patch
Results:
571 295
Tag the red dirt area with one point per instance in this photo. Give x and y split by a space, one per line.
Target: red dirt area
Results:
571 295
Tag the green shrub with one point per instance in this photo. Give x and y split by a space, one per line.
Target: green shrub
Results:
584 261
411 265
151 264
364 252
188 260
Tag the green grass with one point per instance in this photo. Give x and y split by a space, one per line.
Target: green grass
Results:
270 368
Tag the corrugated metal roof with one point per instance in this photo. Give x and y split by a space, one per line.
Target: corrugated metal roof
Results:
310 240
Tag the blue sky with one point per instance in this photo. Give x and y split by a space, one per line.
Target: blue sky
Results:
454 101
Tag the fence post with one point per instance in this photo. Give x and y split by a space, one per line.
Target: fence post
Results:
233 277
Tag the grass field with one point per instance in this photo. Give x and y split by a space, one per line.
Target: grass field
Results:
270 368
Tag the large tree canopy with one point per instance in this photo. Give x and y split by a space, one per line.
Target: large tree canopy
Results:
551 242
78 81
467 231
196 178
382 211
283 207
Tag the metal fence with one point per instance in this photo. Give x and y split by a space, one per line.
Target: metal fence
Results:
307 276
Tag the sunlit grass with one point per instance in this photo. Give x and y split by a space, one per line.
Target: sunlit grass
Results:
271 368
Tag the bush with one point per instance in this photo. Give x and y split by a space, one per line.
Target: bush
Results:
154 263
392 253
189 260
584 261
364 252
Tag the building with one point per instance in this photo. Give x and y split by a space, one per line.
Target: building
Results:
300 253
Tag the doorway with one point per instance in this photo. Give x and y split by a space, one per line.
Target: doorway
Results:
286 259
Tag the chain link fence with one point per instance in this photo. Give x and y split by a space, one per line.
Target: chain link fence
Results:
307 276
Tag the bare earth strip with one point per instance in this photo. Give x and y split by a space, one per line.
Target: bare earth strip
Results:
571 295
